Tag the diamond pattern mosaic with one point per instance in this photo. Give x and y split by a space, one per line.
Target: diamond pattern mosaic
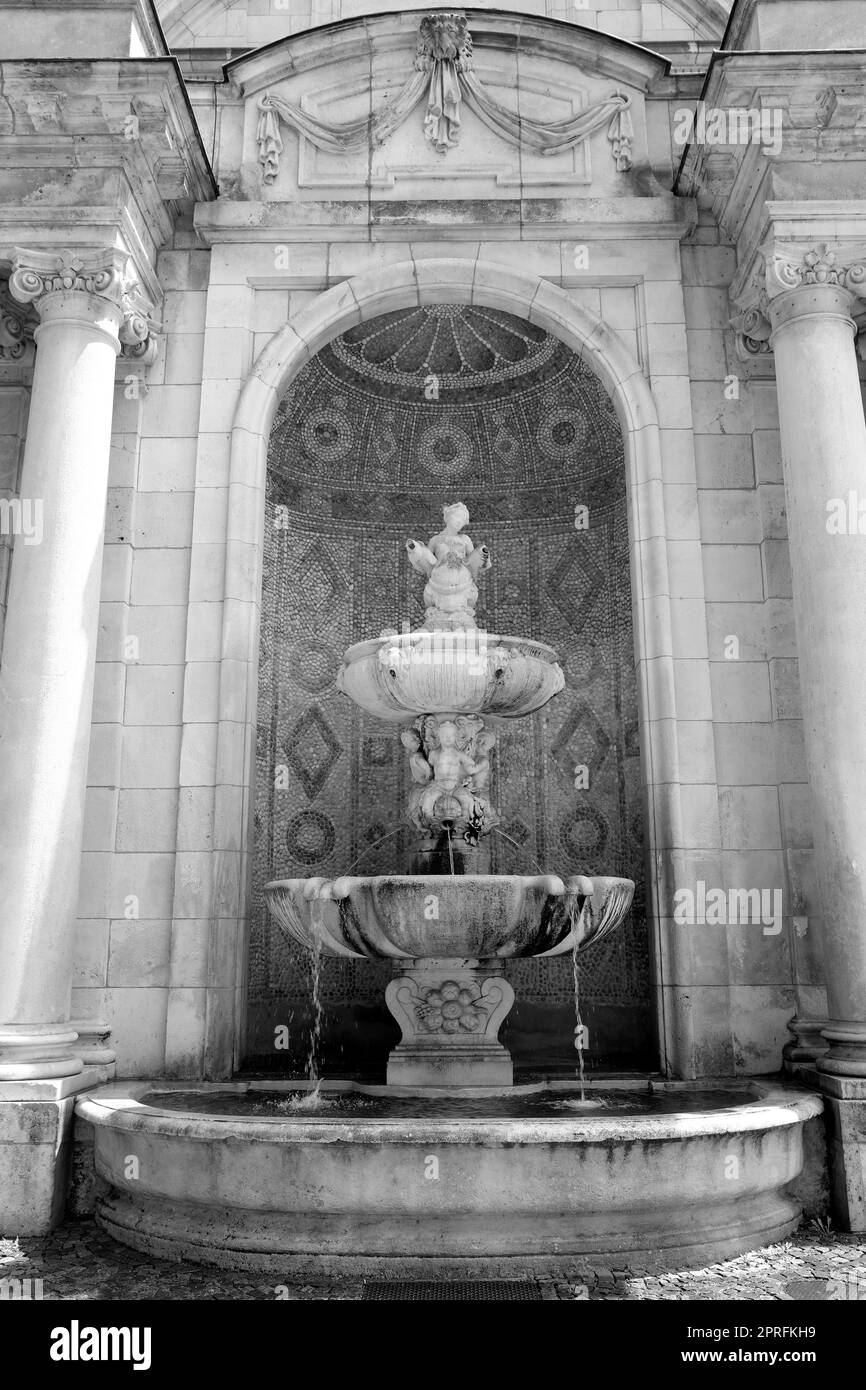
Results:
377 431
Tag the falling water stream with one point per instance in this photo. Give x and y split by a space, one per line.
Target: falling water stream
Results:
369 850
519 848
578 1030
575 970
311 1100
450 848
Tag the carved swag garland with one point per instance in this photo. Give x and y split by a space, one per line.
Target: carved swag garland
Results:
444 74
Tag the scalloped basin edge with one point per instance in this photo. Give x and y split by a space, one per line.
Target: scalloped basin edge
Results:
467 671
480 916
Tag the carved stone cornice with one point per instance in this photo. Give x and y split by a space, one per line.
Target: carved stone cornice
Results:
770 121
102 273
120 137
786 268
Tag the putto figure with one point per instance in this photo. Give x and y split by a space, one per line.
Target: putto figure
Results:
450 563
450 762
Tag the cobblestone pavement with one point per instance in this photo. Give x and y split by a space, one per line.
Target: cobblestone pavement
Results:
80 1262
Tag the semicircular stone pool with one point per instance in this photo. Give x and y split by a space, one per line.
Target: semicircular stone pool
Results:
357 1178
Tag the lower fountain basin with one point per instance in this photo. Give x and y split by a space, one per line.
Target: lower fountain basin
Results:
481 916
689 1180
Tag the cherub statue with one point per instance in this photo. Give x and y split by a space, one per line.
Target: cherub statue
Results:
449 778
483 745
447 768
450 563
422 772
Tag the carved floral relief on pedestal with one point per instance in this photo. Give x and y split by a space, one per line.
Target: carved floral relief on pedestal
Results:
452 1007
450 1013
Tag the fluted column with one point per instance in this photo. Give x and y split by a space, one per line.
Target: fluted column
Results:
86 309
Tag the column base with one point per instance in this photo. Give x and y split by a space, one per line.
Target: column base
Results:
38 1052
847 1051
92 1046
845 1109
807 1045
450 1013
36 1120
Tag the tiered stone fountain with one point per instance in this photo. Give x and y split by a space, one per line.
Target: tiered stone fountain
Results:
266 1175
449 926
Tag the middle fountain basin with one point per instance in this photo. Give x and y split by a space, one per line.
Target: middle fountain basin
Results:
451 935
482 916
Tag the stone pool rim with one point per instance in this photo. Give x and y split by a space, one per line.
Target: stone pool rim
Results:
766 1104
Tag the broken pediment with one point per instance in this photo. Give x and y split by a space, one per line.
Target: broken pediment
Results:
413 103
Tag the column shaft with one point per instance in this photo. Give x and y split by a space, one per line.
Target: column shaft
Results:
823 437
46 678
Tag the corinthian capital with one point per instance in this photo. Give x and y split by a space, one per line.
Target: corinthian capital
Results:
37 273
838 278
791 268
103 273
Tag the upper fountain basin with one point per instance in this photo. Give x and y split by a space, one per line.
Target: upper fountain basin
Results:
461 671
415 916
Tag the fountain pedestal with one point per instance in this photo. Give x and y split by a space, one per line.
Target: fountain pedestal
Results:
450 1011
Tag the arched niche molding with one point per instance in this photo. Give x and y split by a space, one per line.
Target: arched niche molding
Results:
401 286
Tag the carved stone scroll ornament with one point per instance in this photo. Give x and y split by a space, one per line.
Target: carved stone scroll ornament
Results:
444 75
752 328
16 331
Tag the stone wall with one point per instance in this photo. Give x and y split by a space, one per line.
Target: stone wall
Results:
752 696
